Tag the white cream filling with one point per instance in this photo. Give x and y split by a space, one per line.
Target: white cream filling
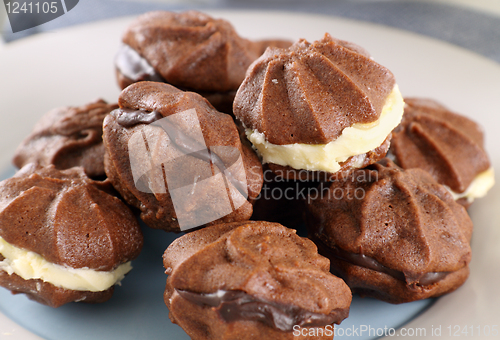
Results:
30 265
478 188
357 139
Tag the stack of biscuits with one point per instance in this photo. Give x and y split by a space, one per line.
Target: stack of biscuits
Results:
207 127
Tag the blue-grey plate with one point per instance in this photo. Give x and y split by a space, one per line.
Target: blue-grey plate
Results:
75 66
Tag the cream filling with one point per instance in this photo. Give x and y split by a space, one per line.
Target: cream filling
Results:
30 265
478 188
355 140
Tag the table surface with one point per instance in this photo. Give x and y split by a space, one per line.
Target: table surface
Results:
472 24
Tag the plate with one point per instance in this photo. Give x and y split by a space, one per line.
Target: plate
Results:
74 66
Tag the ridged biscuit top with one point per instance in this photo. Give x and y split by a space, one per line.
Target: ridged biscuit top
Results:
447 145
310 92
262 259
192 50
68 137
403 219
67 218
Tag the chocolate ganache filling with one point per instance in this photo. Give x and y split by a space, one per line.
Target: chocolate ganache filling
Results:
183 142
237 305
130 117
133 66
362 260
